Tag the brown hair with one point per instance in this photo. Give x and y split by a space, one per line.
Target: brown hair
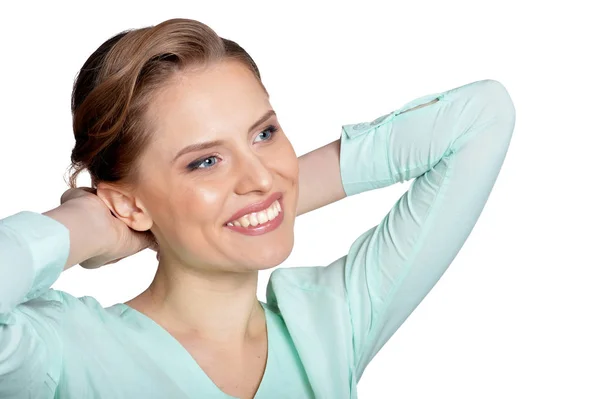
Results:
115 85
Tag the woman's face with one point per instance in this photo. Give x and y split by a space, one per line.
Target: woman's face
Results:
217 148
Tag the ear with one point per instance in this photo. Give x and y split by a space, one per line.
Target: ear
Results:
125 206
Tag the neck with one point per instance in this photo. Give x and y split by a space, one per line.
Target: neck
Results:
219 307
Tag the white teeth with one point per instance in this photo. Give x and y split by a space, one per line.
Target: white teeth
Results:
253 219
262 217
245 222
256 218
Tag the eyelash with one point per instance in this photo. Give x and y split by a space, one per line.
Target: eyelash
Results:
196 165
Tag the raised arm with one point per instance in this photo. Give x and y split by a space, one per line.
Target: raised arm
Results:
454 146
320 179
33 252
34 249
453 143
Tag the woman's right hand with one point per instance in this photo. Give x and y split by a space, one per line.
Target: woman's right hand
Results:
115 239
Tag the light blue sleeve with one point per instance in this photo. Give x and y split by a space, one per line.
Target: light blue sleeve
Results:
454 145
33 251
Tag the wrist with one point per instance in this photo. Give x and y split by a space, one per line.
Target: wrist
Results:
85 240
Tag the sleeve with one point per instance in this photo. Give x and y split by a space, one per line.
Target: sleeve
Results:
33 251
453 143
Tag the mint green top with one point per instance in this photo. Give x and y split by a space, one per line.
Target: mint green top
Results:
324 323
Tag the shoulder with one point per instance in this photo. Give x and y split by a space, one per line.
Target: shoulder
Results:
315 290
327 280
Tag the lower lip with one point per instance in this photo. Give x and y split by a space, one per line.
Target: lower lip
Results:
262 228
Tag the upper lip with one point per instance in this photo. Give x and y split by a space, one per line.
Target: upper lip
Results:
256 207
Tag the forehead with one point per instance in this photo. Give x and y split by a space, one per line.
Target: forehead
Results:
206 104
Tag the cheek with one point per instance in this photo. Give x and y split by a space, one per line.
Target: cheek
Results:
194 215
287 161
189 208
288 168
202 203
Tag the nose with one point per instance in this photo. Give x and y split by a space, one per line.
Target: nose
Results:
253 175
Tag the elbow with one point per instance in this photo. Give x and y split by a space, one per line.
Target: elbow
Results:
497 102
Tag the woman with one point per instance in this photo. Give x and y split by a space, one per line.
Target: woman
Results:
186 156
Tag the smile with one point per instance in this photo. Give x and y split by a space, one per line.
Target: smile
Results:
257 218
262 219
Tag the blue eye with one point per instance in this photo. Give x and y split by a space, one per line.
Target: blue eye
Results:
209 162
205 163
266 134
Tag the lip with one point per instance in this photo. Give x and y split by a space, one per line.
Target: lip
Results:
261 228
256 207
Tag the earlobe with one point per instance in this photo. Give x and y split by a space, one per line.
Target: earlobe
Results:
124 207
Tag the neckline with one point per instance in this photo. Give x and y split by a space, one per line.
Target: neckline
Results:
150 323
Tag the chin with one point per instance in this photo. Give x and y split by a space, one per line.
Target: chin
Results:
268 258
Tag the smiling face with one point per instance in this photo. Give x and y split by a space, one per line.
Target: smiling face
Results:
216 149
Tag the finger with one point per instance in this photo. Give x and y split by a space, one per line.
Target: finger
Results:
67 195
76 192
114 261
91 264
152 243
94 264
143 240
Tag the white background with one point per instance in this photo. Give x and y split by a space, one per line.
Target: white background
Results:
517 315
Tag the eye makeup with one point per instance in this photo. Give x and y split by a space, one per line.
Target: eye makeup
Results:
208 162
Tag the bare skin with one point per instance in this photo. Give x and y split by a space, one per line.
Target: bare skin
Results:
234 363
87 217
205 299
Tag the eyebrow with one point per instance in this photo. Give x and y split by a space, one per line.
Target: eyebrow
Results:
214 143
